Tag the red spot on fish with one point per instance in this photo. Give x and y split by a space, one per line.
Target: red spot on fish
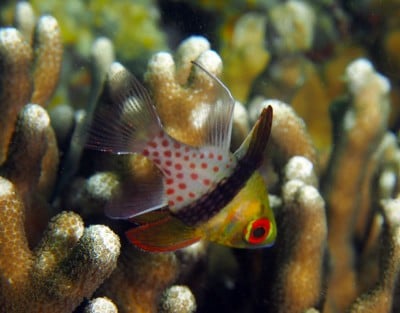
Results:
168 163
157 161
192 165
153 144
171 203
203 165
182 186
178 154
146 152
179 175
192 194
206 182
156 154
227 166
165 143
170 191
215 169
219 157
211 155
167 153
177 145
202 156
167 172
194 176
179 198
187 149
178 166
186 158
169 181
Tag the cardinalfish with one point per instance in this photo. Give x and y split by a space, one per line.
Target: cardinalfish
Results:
202 192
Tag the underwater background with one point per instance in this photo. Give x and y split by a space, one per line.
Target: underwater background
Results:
329 69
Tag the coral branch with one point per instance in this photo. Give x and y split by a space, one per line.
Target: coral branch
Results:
67 266
299 283
381 297
15 81
48 55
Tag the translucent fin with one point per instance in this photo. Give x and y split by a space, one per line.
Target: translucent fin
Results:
137 198
166 234
217 116
252 148
130 121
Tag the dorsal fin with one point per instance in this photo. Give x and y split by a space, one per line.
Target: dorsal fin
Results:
254 145
217 116
130 121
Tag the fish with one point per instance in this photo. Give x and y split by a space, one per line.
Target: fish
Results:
203 192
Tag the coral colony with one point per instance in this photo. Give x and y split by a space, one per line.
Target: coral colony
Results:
329 172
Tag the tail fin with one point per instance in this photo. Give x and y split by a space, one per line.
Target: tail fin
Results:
130 121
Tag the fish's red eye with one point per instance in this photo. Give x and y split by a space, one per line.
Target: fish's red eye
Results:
257 231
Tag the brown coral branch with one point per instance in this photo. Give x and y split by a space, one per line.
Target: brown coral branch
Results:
289 136
48 54
100 305
300 279
179 89
68 265
346 172
380 298
15 82
139 280
33 176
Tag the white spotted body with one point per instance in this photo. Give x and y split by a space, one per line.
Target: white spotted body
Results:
188 172
130 124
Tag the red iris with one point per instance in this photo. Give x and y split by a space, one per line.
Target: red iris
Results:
257 231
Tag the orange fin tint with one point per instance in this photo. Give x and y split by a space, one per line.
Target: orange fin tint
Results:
164 235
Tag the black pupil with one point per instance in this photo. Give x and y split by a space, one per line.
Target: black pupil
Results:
259 232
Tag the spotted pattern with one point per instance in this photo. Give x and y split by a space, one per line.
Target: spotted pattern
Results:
189 172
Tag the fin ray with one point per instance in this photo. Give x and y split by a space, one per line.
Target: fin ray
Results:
217 115
137 198
129 121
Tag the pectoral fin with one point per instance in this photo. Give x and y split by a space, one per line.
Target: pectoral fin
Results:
164 235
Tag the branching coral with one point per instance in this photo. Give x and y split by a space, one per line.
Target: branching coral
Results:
300 280
67 265
139 280
177 299
16 56
337 206
244 54
177 90
100 305
351 159
54 271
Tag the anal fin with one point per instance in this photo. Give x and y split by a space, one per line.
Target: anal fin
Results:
163 235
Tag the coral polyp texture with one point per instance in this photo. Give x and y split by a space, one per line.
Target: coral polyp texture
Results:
49 262
329 71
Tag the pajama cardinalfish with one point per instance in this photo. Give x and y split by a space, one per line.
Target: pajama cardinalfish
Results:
202 192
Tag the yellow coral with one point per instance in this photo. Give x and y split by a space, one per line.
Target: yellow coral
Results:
244 54
81 21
